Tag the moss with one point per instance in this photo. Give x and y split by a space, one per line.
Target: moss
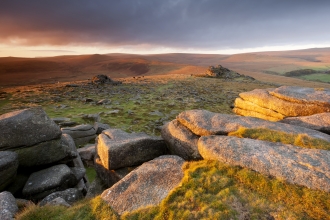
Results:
91 174
301 140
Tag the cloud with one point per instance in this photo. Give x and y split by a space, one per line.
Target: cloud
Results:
204 24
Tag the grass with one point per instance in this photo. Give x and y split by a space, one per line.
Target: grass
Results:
91 173
301 140
318 77
209 190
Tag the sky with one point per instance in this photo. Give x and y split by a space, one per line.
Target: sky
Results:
48 28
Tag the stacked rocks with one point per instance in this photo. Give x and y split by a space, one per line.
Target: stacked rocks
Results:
198 134
301 106
45 160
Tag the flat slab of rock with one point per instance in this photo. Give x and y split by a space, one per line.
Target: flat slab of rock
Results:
8 168
8 206
319 122
266 99
44 182
26 128
252 107
304 95
180 140
79 131
305 167
249 113
204 123
118 149
147 185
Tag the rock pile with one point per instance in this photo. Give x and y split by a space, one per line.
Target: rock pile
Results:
222 72
103 79
199 134
45 160
286 101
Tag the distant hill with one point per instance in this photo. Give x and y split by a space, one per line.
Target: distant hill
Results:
21 71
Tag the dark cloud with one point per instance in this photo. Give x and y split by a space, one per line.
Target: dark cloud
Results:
205 24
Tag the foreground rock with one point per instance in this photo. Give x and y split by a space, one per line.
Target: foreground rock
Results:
147 185
181 141
44 153
26 128
285 101
203 123
118 149
8 206
8 168
319 122
306 167
70 195
44 182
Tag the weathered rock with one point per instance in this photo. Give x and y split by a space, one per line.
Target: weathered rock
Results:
18 183
87 154
70 195
81 134
79 131
180 140
26 128
8 206
203 123
252 107
304 95
8 168
101 79
99 127
147 185
302 166
45 153
118 149
319 122
44 182
58 202
96 188
248 113
264 99
60 119
110 177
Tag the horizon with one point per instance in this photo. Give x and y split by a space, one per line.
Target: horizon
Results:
39 28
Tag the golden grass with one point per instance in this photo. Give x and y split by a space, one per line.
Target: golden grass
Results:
301 140
209 190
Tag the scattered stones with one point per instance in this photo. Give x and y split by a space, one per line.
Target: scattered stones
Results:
8 168
147 185
180 140
302 166
118 149
92 117
44 182
103 102
8 206
33 123
70 196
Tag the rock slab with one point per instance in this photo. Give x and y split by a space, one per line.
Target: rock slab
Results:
8 206
118 149
147 185
26 128
305 167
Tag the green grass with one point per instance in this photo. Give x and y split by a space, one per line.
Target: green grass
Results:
318 77
301 140
210 190
91 173
93 209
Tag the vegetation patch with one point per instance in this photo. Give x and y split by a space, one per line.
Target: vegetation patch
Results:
301 140
322 77
210 190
